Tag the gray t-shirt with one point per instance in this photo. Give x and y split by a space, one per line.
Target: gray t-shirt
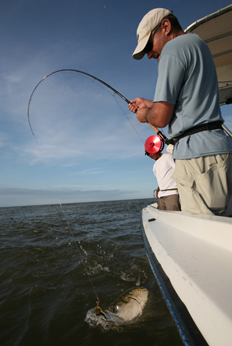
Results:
187 78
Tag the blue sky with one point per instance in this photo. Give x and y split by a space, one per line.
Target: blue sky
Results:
89 146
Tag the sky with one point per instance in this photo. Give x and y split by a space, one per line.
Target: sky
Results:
86 146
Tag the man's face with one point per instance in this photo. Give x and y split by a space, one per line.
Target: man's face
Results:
154 156
158 39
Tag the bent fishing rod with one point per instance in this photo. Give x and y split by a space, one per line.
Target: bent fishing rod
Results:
158 132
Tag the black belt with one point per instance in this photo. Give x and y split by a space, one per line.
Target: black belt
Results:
205 127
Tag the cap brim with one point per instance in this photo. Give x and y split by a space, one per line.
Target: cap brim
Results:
139 50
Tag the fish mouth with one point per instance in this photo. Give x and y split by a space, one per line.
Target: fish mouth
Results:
107 315
111 317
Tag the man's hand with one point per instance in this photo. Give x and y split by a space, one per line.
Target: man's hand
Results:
140 106
158 114
140 103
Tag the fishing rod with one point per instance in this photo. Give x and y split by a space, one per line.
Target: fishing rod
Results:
158 132
98 307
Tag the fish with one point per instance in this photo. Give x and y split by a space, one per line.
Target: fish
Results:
126 307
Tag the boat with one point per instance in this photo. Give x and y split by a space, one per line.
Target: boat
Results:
191 255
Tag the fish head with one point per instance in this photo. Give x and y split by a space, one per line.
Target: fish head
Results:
128 306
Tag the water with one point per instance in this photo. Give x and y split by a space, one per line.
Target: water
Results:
55 261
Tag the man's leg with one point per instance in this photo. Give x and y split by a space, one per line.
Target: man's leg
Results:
172 202
204 183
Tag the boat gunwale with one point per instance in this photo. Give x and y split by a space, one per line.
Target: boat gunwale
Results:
186 326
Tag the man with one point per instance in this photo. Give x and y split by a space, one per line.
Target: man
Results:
187 98
167 194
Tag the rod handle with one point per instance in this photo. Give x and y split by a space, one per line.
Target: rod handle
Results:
154 128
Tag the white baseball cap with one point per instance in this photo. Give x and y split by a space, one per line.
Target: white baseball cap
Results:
151 20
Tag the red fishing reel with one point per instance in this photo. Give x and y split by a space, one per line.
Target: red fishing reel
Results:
154 145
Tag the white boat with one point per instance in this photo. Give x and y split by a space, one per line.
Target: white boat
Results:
191 256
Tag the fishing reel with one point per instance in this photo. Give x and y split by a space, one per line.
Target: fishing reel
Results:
154 145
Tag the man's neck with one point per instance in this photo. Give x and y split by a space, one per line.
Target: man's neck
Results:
177 33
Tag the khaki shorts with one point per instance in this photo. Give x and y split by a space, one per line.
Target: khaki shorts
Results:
204 183
170 202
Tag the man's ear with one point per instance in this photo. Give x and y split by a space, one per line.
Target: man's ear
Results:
166 25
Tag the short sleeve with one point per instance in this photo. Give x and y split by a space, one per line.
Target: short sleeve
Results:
171 72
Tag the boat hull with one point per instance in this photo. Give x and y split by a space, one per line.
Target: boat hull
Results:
191 257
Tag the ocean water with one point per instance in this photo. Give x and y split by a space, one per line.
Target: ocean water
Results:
56 261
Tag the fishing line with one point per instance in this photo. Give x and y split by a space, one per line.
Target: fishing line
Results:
78 248
102 84
129 120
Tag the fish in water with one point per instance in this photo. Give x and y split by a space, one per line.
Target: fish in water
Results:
128 306
125 309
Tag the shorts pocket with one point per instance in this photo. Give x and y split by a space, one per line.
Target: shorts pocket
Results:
212 186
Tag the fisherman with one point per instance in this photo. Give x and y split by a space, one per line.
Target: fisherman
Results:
187 98
167 193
